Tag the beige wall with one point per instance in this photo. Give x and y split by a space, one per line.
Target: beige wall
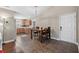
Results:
9 24
53 22
9 29
78 24
51 18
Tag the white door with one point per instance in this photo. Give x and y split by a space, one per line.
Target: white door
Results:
68 27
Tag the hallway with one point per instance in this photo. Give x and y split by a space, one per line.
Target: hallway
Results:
25 44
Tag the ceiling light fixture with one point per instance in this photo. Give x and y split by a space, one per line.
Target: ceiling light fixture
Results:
35 18
36 11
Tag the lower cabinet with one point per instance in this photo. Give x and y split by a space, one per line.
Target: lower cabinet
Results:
8 47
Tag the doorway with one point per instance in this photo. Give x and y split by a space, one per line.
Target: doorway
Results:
67 27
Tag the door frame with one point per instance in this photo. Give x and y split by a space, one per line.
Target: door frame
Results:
75 28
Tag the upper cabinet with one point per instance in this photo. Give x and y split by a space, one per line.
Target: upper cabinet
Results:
26 22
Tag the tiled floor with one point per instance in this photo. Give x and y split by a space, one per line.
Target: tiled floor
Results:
25 44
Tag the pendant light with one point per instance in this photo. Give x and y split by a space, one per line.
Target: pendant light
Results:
35 17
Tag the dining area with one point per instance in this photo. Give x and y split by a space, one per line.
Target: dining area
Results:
40 33
25 27
41 42
32 38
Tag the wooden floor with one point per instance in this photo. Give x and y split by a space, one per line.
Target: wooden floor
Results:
25 45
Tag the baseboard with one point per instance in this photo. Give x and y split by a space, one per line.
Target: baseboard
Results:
78 47
53 38
64 40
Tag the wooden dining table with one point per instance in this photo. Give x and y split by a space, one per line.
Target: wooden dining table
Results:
39 33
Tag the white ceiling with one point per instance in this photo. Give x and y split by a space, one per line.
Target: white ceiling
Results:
27 11
42 11
57 11
6 12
